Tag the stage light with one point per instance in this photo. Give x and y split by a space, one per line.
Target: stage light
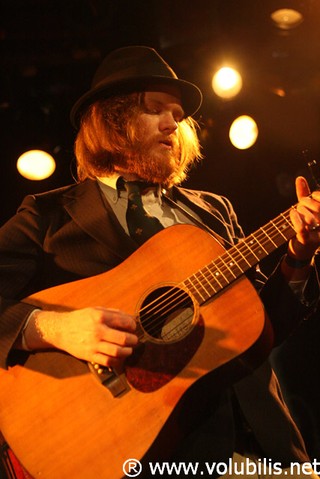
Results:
36 165
226 82
286 18
243 132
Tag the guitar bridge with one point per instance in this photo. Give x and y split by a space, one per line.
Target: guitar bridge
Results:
108 377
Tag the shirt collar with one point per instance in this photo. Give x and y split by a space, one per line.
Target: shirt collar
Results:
111 181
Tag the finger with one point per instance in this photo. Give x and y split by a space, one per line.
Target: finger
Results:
117 319
316 195
296 220
109 353
114 350
304 234
107 361
121 338
122 323
309 215
310 203
302 187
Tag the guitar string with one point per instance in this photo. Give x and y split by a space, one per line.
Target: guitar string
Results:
262 233
258 239
169 309
167 331
166 309
257 242
156 302
182 297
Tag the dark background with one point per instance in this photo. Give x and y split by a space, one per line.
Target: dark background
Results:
50 50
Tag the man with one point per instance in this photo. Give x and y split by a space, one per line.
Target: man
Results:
135 124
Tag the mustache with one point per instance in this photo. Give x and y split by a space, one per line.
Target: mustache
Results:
170 140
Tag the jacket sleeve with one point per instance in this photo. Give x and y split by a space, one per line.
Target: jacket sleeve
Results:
20 259
285 309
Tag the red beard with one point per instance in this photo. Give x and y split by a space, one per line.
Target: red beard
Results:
156 160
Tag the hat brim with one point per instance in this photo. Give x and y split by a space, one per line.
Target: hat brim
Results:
191 96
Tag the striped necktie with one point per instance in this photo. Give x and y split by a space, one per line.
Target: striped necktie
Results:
141 225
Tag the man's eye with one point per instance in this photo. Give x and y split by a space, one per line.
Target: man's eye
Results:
153 111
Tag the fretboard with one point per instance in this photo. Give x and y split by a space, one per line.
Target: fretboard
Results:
234 262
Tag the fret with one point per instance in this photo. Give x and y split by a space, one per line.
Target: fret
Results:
279 236
224 271
202 280
267 242
282 233
259 251
202 272
196 291
199 288
232 265
282 224
220 276
277 241
268 237
248 256
189 283
189 286
217 279
235 261
207 268
257 247
289 227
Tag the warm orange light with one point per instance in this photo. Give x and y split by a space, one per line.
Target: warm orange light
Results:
36 165
243 132
279 92
287 18
227 82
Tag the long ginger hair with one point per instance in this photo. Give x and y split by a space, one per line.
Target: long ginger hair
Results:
108 132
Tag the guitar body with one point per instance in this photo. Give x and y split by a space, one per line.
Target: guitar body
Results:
61 422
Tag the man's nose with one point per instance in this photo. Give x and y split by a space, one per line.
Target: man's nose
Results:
168 122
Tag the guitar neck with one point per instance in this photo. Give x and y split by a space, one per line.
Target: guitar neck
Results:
234 262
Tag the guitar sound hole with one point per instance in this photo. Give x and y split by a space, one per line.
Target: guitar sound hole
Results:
167 314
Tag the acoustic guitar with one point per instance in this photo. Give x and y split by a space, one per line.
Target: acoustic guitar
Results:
196 314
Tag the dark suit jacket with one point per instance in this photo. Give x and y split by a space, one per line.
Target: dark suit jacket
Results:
72 233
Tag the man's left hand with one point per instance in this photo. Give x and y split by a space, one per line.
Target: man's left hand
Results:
305 218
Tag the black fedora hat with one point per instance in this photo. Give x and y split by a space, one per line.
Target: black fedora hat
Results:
131 69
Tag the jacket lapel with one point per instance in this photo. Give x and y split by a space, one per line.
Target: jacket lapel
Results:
92 214
211 215
88 209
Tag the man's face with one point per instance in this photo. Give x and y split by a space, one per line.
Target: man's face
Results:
156 151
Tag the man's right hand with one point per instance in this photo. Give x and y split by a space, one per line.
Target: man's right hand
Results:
101 335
